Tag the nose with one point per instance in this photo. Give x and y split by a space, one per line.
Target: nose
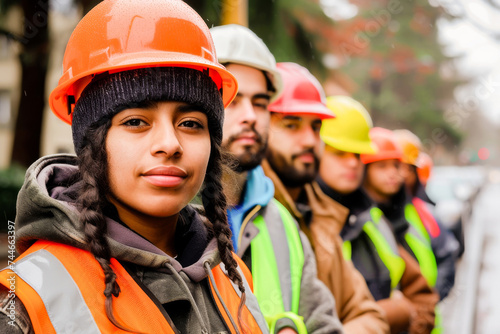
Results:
352 159
310 138
247 112
165 140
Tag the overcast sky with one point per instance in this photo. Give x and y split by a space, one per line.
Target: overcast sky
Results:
479 51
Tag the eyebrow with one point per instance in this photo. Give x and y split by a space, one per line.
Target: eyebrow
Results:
292 118
257 96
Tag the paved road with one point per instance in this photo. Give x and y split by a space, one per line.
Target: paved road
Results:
474 303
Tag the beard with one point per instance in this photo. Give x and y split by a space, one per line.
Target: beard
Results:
252 155
290 175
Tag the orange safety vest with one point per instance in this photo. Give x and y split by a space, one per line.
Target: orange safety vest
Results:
62 289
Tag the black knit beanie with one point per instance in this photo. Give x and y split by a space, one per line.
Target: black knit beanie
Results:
108 94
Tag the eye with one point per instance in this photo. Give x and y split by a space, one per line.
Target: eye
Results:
135 122
192 124
261 104
316 126
291 126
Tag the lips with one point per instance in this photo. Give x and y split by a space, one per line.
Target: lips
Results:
165 176
306 157
246 139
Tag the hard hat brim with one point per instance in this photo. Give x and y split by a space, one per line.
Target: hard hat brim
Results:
275 76
352 146
312 109
369 158
58 97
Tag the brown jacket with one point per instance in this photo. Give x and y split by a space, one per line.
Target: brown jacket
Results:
356 308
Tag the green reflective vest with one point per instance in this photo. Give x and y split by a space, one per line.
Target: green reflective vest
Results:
277 283
385 244
419 242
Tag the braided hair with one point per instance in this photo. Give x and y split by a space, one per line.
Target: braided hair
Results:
91 203
215 204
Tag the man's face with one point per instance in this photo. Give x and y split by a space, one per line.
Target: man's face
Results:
342 171
294 147
384 177
246 120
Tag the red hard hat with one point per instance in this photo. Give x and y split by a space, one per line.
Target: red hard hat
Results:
302 93
387 146
425 165
121 35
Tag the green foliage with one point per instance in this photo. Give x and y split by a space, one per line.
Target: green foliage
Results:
11 180
290 28
395 58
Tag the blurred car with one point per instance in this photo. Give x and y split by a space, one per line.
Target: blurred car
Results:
454 190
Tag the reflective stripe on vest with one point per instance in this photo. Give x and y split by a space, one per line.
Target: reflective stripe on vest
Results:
254 316
62 290
381 236
383 239
277 283
420 243
426 216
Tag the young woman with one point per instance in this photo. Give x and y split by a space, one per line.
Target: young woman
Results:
107 240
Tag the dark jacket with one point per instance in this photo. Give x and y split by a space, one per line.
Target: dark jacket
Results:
415 308
444 246
46 211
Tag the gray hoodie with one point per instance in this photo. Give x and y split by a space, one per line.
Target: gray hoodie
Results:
45 211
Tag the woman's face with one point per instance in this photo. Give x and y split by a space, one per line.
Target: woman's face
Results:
157 158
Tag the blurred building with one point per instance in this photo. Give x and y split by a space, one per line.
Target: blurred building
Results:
10 82
56 135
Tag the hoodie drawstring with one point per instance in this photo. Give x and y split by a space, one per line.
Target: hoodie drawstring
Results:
181 281
208 270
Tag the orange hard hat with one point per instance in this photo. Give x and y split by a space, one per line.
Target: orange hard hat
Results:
424 168
410 144
302 93
121 35
387 146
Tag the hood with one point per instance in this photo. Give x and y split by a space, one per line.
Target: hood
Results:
46 210
259 190
422 194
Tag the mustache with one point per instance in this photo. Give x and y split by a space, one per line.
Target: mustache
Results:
258 137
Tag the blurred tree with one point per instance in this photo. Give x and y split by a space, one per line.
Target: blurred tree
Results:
390 49
294 30
34 62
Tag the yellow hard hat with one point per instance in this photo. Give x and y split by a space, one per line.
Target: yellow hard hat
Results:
410 144
349 131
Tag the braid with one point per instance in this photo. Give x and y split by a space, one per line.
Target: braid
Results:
214 203
91 202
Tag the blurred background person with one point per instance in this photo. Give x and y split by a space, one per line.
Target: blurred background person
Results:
264 234
292 163
392 275
444 244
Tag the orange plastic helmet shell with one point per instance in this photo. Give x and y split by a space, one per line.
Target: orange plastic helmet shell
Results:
302 93
424 169
121 35
387 146
410 144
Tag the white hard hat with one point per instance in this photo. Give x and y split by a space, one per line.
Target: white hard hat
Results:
239 45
